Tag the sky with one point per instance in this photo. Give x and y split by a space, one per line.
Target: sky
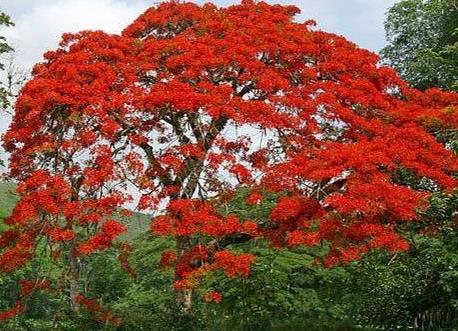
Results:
40 23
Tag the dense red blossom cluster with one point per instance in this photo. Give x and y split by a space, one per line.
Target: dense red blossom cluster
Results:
186 217
198 261
191 103
213 296
234 265
109 231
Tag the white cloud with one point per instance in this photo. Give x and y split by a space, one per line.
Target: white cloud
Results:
360 21
40 28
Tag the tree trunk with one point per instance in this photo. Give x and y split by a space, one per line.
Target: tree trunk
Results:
74 284
183 299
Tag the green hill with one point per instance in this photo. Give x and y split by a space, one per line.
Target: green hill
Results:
8 198
137 224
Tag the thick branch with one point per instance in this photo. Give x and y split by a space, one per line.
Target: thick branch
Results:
163 175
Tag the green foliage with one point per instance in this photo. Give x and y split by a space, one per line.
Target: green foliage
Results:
5 20
4 48
423 42
147 301
44 308
283 289
416 289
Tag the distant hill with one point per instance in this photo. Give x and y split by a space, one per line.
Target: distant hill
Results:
137 224
8 198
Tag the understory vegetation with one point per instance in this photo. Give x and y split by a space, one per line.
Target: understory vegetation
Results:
285 290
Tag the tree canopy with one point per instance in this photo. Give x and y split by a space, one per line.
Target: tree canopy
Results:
5 20
191 104
423 42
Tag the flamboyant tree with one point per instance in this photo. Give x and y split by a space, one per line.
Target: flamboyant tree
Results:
191 103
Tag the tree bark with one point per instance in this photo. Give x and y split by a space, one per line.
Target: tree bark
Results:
74 284
183 298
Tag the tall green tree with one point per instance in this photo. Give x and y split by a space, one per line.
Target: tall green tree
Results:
5 20
423 42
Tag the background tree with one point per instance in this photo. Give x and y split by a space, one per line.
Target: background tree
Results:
13 79
4 49
423 42
191 104
423 47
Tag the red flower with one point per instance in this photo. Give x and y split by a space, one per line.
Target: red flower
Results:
112 229
234 265
241 172
18 308
58 234
254 198
213 296
168 258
